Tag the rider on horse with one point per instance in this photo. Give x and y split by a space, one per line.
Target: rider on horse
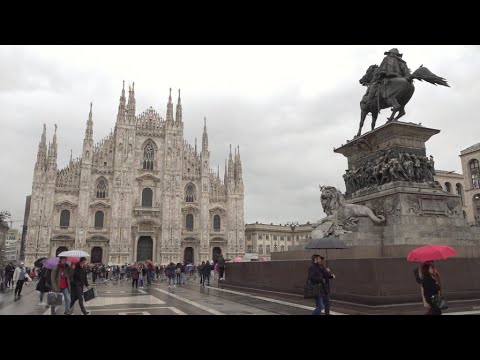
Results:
392 66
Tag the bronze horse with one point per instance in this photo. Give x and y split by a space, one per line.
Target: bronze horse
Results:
393 92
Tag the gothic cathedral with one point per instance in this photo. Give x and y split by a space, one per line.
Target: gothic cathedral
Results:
142 193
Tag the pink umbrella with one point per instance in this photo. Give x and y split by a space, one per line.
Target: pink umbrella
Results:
238 259
52 262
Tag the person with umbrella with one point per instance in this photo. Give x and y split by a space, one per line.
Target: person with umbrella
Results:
79 279
60 279
431 287
315 277
327 275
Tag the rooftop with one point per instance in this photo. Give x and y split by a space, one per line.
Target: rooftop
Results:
445 172
471 149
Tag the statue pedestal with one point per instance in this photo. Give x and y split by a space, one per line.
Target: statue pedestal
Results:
417 210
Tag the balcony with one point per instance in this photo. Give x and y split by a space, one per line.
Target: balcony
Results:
99 230
215 232
148 211
189 231
64 230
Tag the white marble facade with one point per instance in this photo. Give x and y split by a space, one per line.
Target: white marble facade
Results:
140 193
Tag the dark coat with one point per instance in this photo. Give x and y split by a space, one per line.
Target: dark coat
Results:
206 269
430 287
42 283
135 273
326 276
79 277
315 274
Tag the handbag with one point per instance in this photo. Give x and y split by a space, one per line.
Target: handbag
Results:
54 299
90 294
440 301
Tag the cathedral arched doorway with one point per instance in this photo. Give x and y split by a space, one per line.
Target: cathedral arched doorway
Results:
60 249
144 248
97 254
188 255
215 252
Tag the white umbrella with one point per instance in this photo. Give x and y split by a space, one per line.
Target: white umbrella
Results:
74 253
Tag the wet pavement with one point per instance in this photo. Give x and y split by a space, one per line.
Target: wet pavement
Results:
194 299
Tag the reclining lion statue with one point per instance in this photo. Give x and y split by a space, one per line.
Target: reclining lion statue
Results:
340 214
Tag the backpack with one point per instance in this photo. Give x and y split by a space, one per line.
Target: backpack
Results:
178 271
417 276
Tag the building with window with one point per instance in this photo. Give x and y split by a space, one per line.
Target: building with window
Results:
140 193
470 158
466 185
263 239
12 247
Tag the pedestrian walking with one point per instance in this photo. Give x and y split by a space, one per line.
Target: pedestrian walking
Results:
327 275
207 268
431 286
19 276
221 267
315 277
61 275
78 280
42 285
135 273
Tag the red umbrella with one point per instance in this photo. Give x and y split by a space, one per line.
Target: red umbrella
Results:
431 252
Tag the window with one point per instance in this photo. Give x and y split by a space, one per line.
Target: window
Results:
249 248
65 218
274 237
448 187
99 220
282 237
189 222
190 193
267 236
147 197
475 170
289 238
459 191
101 191
282 248
216 222
148 157
260 237
297 237
260 249
249 237
268 249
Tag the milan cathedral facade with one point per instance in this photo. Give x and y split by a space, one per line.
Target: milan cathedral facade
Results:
141 193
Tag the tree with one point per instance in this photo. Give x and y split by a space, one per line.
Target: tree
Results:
4 216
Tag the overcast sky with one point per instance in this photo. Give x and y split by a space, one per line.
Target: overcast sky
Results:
286 106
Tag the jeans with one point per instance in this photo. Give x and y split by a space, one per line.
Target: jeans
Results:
135 283
221 270
319 306
19 287
77 294
171 278
326 303
205 278
66 298
179 278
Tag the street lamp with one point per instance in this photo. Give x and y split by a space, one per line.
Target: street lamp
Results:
293 225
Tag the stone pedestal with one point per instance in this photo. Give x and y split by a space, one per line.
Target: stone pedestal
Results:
388 171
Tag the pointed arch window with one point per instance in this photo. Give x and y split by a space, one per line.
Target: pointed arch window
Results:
147 197
216 223
189 222
101 190
148 156
268 249
65 218
99 216
190 193
260 249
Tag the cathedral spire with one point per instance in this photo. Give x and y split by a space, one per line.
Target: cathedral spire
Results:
225 175
170 107
42 149
238 166
195 146
121 106
230 164
205 135
131 104
178 114
52 152
71 154
89 129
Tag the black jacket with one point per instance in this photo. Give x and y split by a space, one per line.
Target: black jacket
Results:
315 274
79 276
326 276
206 269
430 287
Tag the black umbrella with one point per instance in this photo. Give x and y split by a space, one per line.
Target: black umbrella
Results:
39 262
326 243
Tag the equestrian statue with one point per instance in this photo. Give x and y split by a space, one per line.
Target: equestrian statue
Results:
391 85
